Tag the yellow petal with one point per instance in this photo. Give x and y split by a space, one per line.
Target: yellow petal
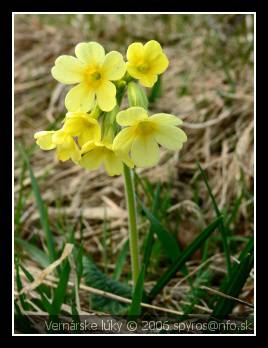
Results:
90 145
114 66
75 154
80 98
163 119
93 159
74 123
152 49
156 58
68 149
159 64
169 137
83 126
148 80
131 116
133 71
135 52
68 70
145 152
126 159
123 140
44 140
62 154
59 137
89 134
106 96
90 53
112 164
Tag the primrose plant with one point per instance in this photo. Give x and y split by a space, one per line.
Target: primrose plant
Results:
95 132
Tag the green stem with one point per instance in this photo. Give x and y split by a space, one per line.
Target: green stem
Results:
132 222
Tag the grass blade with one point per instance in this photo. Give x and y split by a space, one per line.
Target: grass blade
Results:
185 255
235 283
61 289
156 91
20 201
222 228
248 249
19 284
168 241
150 238
44 300
37 254
232 216
135 308
42 210
121 261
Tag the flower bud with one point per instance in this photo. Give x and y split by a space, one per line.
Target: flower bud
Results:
109 125
137 96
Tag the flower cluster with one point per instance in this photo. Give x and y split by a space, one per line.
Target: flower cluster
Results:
94 131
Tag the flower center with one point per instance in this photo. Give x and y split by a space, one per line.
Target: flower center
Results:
93 78
96 76
145 128
143 68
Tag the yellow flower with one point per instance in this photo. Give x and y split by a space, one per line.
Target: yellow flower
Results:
82 126
145 62
93 72
66 147
97 153
142 134
44 140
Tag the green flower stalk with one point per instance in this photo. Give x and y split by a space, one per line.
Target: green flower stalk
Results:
132 224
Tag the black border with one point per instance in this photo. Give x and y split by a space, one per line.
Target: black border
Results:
132 6
6 101
6 173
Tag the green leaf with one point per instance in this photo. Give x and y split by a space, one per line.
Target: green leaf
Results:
235 282
45 303
233 214
135 308
96 278
19 284
20 201
79 263
168 241
148 187
121 260
42 210
61 289
150 238
183 257
156 91
34 252
248 249
222 228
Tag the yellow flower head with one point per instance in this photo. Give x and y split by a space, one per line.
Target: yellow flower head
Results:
142 134
93 72
145 62
44 140
82 126
66 147
96 154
